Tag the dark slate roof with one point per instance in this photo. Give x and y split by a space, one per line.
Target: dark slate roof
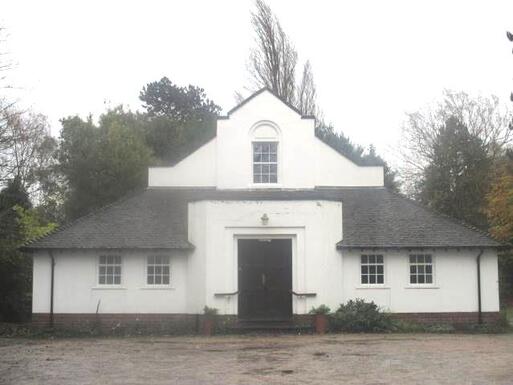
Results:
373 217
147 220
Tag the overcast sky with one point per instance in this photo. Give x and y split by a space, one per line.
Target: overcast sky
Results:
372 60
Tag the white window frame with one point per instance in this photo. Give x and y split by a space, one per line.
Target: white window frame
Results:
106 265
253 163
147 265
369 264
433 275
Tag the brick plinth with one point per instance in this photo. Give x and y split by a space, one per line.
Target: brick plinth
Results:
456 318
191 323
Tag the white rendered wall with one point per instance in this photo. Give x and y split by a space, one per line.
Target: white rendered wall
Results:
196 170
454 288
313 226
304 161
76 288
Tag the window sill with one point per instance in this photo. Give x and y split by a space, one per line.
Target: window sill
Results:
157 287
364 287
265 185
422 287
109 287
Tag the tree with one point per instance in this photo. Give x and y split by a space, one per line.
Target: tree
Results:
102 163
178 120
273 61
485 118
499 208
456 179
180 104
499 211
307 94
26 149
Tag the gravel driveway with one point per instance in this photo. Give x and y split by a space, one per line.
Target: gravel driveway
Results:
286 359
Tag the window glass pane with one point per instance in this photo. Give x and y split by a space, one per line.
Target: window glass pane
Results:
429 269
273 178
429 278
413 269
380 279
372 279
165 270
428 258
265 178
372 269
379 259
165 279
380 269
420 259
365 269
150 280
158 279
412 259
151 260
103 259
372 259
102 280
117 270
420 278
420 269
273 158
110 279
365 279
364 259
102 270
413 279
117 279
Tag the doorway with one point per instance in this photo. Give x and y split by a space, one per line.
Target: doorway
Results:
265 279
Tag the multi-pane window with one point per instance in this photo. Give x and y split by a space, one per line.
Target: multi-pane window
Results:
372 271
421 269
109 270
158 271
265 162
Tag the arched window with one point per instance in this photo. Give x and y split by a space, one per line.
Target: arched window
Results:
265 141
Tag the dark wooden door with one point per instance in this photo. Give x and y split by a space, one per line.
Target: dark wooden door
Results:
265 279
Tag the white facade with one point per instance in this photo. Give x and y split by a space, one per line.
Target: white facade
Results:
304 161
317 267
215 226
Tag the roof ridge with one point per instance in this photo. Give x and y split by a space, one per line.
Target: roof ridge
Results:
130 194
444 216
261 90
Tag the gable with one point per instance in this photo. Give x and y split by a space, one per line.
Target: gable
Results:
302 160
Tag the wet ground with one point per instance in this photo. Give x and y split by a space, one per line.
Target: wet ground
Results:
286 359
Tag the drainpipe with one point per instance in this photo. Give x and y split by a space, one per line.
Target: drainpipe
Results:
479 311
52 275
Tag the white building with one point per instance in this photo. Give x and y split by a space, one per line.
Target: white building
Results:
263 222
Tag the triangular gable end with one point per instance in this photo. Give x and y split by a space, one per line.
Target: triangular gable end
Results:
249 98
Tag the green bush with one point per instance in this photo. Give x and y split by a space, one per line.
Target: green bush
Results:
321 309
210 311
360 316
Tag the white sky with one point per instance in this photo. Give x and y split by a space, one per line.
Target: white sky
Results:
372 60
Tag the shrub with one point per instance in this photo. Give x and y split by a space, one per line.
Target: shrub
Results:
321 309
210 311
360 316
